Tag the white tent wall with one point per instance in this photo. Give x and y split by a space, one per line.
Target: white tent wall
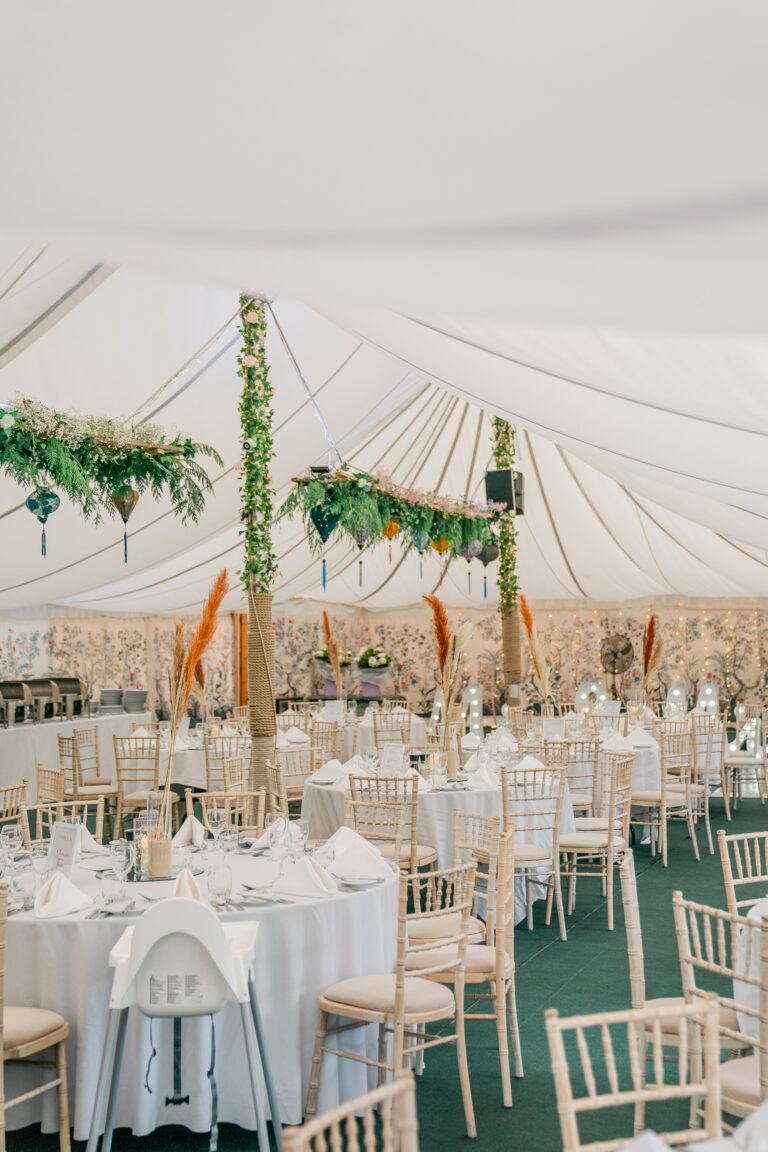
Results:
727 646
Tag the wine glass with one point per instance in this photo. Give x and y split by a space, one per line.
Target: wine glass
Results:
215 818
121 858
23 884
228 838
12 838
220 885
39 858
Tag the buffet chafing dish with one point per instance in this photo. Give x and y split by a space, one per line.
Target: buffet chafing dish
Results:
42 698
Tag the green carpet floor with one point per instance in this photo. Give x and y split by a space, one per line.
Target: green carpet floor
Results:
588 973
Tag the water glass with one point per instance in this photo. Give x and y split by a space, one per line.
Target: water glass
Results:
220 885
39 858
215 818
213 855
23 885
228 838
121 858
12 838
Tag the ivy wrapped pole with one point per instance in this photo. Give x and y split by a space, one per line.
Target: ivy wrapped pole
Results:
504 456
259 565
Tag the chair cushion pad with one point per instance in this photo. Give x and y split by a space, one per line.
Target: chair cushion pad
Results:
582 841
581 800
591 823
377 994
740 1080
674 799
436 927
424 852
98 782
139 799
24 1025
525 853
481 958
92 792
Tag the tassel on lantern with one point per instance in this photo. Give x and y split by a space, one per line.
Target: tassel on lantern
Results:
125 499
485 587
323 573
42 503
360 573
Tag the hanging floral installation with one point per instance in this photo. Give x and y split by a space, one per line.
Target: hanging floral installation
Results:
366 508
94 461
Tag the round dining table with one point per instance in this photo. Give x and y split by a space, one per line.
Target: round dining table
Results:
323 809
303 945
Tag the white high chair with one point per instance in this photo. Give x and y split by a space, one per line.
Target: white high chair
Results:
180 961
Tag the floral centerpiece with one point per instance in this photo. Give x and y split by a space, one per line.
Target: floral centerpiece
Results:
345 658
373 658
373 669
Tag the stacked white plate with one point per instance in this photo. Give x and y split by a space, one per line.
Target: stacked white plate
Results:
111 702
135 699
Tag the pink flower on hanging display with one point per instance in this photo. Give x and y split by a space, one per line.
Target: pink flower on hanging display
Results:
249 361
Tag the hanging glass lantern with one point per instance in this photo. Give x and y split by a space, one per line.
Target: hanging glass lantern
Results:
125 500
391 529
486 557
468 553
42 502
324 521
440 545
420 542
361 539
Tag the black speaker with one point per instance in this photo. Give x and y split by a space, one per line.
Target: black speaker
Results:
500 488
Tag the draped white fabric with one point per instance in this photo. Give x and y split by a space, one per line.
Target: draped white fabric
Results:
589 532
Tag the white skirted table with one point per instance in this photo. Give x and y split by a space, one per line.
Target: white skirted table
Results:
61 964
323 809
24 746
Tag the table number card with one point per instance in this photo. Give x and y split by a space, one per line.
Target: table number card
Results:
65 842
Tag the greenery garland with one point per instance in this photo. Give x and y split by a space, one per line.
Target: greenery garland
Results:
256 493
366 508
90 458
504 455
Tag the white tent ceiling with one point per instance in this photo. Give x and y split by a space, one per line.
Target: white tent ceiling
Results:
586 534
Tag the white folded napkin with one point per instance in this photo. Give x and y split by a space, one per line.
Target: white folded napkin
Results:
424 784
186 885
182 744
526 764
483 778
87 843
617 743
470 742
305 878
330 772
472 764
639 738
191 833
502 741
355 858
142 732
58 897
296 736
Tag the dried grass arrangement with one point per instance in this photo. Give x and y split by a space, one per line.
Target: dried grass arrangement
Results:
653 650
333 655
540 665
186 676
449 648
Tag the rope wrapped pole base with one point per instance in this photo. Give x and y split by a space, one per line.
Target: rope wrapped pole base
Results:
261 686
512 661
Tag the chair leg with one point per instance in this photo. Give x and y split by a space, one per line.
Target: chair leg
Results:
418 1066
663 821
608 879
705 801
382 1056
104 1080
692 832
528 901
550 898
461 1053
317 1060
724 786
500 1011
253 1073
559 900
514 1026
63 1095
266 1071
109 1125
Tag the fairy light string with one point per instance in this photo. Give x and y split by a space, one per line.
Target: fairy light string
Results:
504 456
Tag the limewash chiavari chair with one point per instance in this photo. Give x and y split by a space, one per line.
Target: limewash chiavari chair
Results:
79 761
673 799
551 752
11 799
234 771
277 796
300 720
744 858
50 785
137 759
244 810
600 842
380 822
328 737
492 962
26 1032
476 837
240 712
717 946
583 776
710 738
392 1127
397 790
298 764
389 726
400 1004
532 800
90 774
45 816
747 764
217 750
518 721
597 721
601 1069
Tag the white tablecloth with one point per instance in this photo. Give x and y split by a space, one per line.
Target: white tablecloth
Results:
743 993
24 746
323 808
62 964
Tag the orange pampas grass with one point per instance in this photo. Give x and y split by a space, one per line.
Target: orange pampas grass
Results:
333 654
653 650
541 668
442 630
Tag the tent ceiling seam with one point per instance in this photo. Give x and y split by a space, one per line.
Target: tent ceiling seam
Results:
68 297
23 272
545 498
